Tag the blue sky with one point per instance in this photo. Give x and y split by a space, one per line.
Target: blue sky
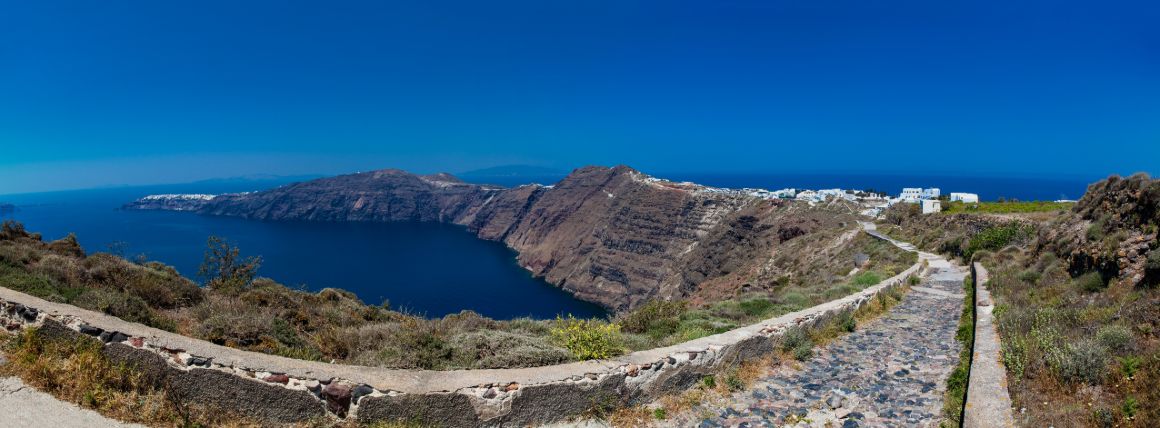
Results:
134 92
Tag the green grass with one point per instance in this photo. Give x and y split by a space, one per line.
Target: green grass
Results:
957 382
1006 207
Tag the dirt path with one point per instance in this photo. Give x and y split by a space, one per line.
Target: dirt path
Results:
890 372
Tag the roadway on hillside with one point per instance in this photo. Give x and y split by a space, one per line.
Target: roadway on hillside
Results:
891 371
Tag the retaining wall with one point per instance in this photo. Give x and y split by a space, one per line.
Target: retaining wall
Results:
277 390
988 402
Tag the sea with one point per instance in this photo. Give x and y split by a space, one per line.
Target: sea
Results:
429 269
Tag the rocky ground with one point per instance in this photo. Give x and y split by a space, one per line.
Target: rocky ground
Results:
890 372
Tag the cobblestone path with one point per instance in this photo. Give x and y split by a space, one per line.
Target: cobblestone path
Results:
889 372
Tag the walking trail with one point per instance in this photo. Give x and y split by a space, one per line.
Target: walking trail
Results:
891 371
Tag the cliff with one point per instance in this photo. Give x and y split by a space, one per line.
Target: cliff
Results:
613 236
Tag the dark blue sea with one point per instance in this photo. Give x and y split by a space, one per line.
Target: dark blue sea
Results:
433 269
427 268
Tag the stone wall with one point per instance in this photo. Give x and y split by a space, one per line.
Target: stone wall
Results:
988 403
276 389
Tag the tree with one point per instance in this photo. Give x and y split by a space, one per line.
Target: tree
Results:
224 269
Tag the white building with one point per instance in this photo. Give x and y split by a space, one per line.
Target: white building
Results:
807 195
911 194
930 206
931 193
966 198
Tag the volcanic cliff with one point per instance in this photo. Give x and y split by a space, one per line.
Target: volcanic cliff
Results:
613 236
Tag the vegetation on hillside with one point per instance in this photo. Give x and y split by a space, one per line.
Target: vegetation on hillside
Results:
237 308
1077 305
1007 207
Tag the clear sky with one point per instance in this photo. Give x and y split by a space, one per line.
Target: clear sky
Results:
130 92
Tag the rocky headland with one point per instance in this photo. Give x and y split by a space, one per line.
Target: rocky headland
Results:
614 236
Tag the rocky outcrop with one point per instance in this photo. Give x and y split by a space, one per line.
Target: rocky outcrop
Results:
613 236
1113 231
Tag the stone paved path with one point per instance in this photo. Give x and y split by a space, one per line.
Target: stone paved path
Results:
890 372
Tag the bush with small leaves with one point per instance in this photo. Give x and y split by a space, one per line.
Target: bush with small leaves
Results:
587 339
1129 365
1086 362
1115 337
1091 282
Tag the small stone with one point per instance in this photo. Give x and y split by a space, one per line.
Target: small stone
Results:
326 381
199 361
91 331
137 342
512 387
281 378
633 371
360 391
835 401
490 393
591 376
337 398
693 356
313 386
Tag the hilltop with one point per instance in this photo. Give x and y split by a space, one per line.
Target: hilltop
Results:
610 235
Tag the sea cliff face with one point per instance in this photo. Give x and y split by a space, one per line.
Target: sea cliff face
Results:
613 236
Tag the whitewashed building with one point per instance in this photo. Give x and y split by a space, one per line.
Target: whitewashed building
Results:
807 195
930 206
911 194
966 198
931 193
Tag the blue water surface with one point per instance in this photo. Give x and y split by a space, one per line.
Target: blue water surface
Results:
427 268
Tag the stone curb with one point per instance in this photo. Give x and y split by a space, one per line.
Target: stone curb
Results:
988 402
280 390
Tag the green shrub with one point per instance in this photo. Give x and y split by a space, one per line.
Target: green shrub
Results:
914 280
1115 337
756 307
734 382
1091 282
865 279
1030 276
1085 362
709 382
846 321
587 339
995 238
798 343
1129 365
1015 357
659 413
647 316
1130 407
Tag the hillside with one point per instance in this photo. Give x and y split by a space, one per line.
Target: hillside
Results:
613 236
1075 300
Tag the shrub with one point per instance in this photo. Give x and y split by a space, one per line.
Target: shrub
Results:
1091 282
587 339
659 413
224 269
914 280
1130 407
1085 361
756 307
500 349
649 315
709 382
1115 337
866 279
798 343
1030 276
995 237
1015 357
846 321
1129 365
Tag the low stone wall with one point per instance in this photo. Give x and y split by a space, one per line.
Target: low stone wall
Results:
988 402
278 390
